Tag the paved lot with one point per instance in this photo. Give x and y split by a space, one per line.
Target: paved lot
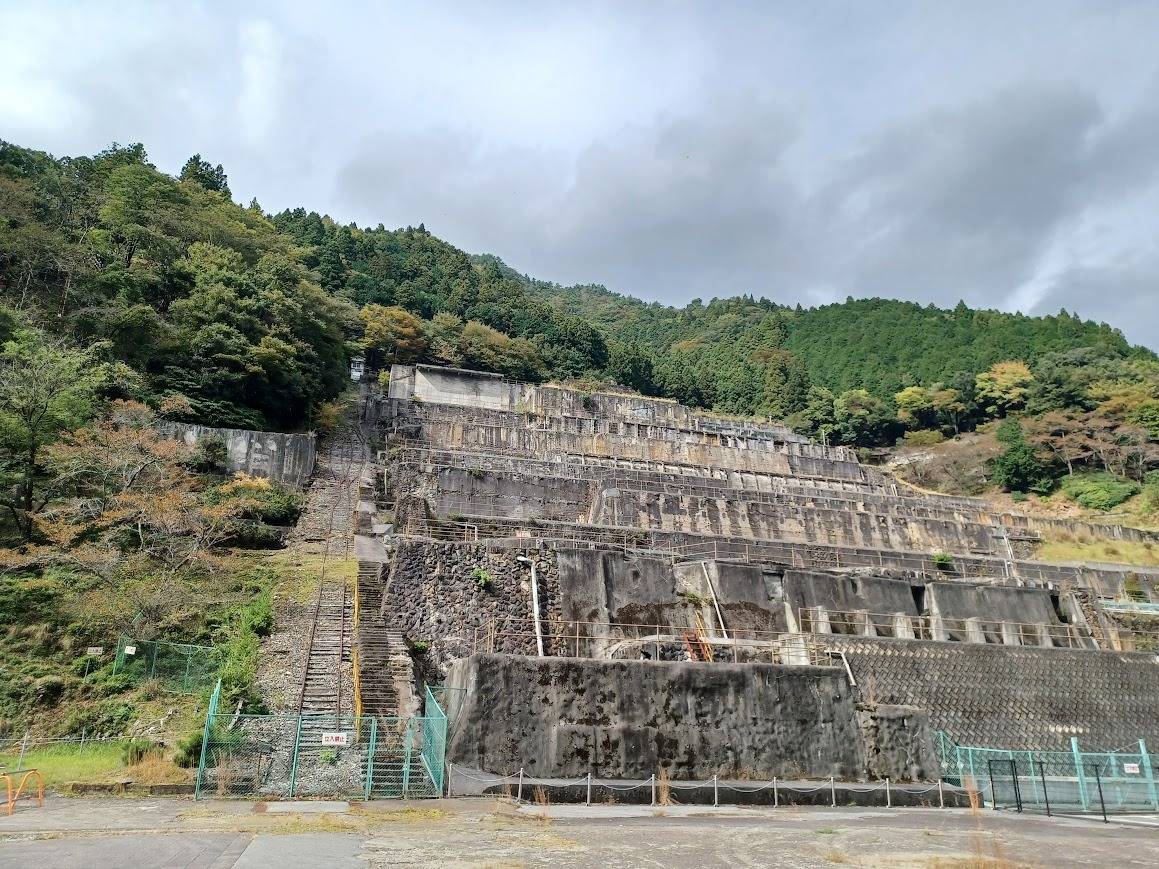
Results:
122 833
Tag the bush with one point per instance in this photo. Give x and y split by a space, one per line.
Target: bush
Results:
1098 491
136 750
189 749
210 456
1019 496
1019 469
943 561
483 579
922 438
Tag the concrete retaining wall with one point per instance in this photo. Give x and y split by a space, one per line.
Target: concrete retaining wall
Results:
287 458
567 717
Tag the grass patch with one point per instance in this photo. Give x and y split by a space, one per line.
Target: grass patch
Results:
94 762
1138 552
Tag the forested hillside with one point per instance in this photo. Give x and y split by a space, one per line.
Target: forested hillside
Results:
229 316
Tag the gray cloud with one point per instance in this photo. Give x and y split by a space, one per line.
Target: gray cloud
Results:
1000 153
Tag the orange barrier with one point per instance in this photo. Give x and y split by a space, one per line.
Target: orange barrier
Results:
12 798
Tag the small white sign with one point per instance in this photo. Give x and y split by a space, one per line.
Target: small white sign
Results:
335 738
1131 768
95 651
130 650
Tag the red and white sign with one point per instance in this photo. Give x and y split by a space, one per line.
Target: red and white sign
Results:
335 738
1131 768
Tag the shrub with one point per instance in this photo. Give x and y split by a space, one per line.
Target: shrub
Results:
1098 491
1019 496
189 749
419 647
922 438
210 456
483 579
943 561
136 750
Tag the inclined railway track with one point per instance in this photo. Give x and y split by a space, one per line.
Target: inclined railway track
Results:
329 640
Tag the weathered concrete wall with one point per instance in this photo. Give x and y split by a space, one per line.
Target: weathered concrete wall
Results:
1013 697
287 458
871 594
953 600
731 517
628 719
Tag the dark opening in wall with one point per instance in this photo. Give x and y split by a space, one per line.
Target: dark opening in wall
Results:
919 593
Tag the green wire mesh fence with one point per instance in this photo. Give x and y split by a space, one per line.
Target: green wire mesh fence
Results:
1062 781
332 756
179 667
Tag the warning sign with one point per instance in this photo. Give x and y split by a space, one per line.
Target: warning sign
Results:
130 650
335 738
1131 768
95 651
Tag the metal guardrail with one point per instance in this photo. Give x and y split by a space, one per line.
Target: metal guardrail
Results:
613 640
861 623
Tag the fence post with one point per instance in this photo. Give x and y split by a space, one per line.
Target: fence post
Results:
653 782
1146 759
1102 804
204 745
941 797
888 795
776 796
24 748
833 790
406 759
370 749
519 793
715 792
589 800
293 764
1078 769
1045 793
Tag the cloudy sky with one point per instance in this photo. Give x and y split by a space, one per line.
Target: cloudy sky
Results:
1002 153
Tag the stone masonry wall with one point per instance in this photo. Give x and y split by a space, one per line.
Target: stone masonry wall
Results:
433 596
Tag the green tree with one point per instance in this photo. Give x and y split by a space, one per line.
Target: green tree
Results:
1018 468
46 388
207 175
1003 387
392 335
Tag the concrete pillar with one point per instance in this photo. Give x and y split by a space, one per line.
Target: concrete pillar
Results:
820 619
1010 636
938 629
861 624
1044 638
974 632
903 628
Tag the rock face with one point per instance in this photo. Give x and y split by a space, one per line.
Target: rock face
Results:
566 717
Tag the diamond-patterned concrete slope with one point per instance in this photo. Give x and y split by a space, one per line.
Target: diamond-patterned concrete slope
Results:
1012 696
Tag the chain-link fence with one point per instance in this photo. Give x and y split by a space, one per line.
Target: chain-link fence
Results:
332 756
1056 781
179 667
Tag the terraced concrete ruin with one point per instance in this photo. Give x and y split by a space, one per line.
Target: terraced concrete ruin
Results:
613 584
